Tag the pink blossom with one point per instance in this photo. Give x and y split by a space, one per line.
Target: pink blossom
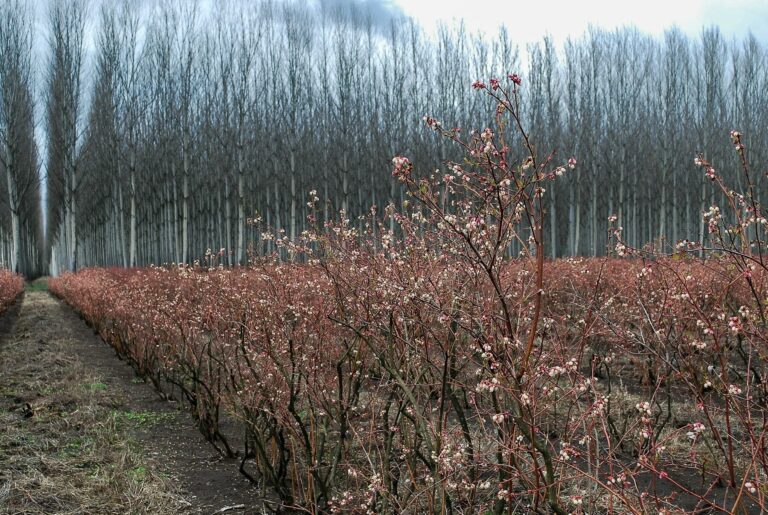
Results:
402 167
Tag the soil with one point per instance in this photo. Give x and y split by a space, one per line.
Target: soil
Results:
53 371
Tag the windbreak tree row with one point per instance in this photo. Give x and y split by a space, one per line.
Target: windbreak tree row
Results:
199 122
21 237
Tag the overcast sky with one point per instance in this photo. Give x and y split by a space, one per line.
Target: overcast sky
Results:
530 20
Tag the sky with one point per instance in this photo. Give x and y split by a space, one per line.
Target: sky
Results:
529 21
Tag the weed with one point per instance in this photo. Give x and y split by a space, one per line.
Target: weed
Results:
138 473
140 418
96 387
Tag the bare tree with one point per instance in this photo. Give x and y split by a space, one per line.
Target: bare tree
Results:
196 125
67 24
18 153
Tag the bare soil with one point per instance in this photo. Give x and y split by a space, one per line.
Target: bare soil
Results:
79 433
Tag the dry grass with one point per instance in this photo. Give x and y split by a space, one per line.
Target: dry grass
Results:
65 447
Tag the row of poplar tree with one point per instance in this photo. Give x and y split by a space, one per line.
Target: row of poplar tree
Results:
21 221
179 123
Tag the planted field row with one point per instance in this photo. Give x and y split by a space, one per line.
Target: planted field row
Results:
410 384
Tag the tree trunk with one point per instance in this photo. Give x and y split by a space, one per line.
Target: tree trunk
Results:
240 205
13 201
185 203
227 222
132 164
293 195
176 240
553 222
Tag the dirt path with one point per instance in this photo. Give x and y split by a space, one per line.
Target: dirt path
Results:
80 434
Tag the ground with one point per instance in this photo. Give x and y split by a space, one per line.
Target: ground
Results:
81 434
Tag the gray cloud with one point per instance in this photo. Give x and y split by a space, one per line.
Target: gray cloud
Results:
380 13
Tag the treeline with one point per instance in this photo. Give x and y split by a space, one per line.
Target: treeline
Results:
198 122
21 238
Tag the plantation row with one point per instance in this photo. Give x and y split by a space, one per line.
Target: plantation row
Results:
11 286
373 383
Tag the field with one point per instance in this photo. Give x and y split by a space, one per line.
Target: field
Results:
431 359
279 285
407 389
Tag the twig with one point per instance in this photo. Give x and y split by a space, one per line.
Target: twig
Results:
231 508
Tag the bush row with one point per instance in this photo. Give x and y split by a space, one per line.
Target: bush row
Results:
373 384
11 286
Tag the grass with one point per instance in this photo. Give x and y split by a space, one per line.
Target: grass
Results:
138 473
76 447
97 386
64 449
140 418
37 285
